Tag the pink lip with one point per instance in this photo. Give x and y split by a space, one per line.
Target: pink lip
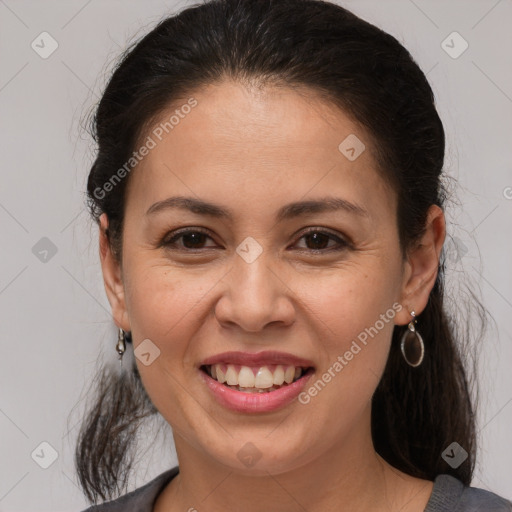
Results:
268 357
255 402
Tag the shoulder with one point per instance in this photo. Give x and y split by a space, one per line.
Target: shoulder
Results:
140 499
451 495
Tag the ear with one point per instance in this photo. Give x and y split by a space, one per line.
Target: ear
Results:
112 278
421 266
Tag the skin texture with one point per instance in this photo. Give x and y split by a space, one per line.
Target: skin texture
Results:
253 150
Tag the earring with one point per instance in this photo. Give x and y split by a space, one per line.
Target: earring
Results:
412 346
121 346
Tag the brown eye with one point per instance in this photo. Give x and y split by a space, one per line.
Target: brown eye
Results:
318 240
190 239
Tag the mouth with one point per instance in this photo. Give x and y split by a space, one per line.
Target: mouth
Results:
256 379
251 383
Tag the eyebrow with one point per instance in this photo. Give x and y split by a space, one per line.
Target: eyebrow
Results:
289 211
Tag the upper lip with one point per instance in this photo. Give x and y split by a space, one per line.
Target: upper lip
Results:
264 358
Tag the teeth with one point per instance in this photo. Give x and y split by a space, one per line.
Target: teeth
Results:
219 374
264 378
247 378
279 375
231 376
289 374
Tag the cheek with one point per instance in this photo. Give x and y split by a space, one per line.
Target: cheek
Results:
169 306
353 315
165 307
156 299
348 300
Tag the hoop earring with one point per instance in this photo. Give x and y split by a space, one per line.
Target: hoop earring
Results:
412 346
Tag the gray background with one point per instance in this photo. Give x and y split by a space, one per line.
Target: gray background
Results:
55 318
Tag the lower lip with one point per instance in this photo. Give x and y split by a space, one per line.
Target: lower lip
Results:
255 402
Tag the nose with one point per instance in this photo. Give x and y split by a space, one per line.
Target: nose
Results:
255 296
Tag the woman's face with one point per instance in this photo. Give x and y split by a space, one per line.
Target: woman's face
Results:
256 281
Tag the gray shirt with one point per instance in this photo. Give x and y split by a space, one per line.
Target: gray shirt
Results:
448 495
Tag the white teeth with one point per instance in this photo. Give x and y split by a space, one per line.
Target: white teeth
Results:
264 379
289 374
231 376
221 377
279 375
246 378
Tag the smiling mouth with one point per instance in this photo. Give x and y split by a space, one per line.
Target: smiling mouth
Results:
251 379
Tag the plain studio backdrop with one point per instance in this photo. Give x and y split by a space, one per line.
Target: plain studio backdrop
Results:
54 313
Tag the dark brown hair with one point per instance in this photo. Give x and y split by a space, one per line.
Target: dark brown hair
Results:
322 47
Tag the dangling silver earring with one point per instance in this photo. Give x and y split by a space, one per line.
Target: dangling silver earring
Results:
121 346
412 346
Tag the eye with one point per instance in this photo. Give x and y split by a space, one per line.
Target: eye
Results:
190 239
317 240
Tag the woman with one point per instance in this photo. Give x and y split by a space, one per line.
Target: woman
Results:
268 192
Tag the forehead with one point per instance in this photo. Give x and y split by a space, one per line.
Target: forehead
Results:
266 144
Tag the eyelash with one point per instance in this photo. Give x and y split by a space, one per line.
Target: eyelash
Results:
171 242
